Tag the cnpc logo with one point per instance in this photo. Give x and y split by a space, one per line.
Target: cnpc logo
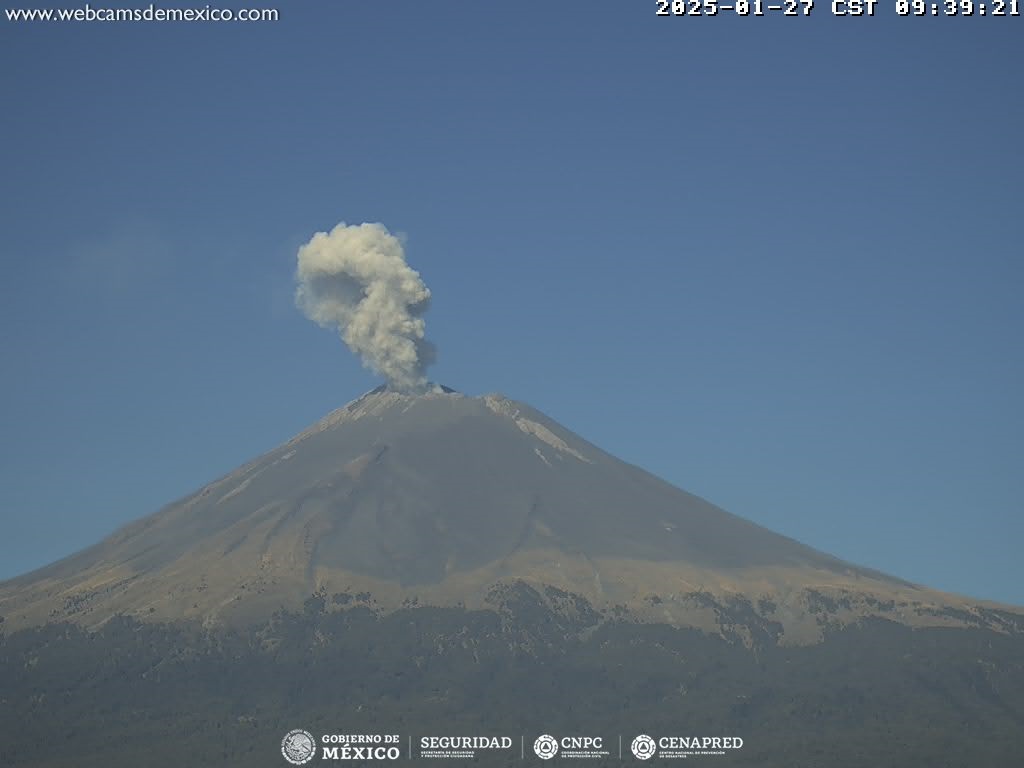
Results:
548 746
545 747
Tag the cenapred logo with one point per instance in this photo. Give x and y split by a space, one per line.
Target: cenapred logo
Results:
546 747
643 747
298 746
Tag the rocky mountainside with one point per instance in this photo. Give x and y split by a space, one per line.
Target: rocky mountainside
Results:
446 500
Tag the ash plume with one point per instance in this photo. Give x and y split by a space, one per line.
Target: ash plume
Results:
355 279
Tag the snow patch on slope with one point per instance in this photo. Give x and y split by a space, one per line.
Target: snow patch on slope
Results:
504 407
374 403
542 456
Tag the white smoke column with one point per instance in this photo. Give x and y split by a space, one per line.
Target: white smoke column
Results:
355 279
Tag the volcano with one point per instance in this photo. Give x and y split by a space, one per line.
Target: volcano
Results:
430 564
442 499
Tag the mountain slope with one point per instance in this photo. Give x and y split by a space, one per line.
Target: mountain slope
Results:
439 498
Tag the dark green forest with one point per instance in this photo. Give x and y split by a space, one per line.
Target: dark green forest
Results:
148 694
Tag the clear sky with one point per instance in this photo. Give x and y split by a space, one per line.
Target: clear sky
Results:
777 261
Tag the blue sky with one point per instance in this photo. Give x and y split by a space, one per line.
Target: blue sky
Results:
777 261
